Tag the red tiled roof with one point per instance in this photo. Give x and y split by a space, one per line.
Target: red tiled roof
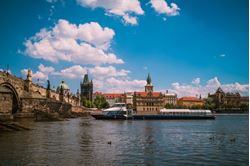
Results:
190 98
98 93
112 95
144 94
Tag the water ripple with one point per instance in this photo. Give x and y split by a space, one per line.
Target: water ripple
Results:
223 141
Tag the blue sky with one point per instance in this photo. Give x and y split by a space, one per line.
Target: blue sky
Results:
206 41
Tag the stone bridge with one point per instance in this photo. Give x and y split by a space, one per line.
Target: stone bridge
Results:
21 97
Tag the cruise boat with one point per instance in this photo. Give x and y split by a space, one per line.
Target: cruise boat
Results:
178 114
119 111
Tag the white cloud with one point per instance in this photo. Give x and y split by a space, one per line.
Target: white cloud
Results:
106 79
113 84
82 44
45 69
123 8
35 76
42 74
130 19
76 71
162 7
214 82
222 55
210 87
99 72
4 70
196 81
108 71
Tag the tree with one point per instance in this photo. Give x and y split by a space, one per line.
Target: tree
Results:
244 107
169 106
88 103
100 102
209 104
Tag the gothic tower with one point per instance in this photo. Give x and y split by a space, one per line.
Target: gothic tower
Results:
149 87
86 88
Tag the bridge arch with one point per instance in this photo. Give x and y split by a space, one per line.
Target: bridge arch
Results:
16 102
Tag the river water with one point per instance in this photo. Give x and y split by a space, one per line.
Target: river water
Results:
85 141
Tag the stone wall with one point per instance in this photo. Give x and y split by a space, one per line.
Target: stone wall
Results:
22 98
78 109
18 83
6 102
26 89
31 104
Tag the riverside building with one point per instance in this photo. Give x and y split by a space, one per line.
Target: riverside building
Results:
148 102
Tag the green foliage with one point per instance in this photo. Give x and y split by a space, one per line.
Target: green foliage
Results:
172 106
169 106
209 104
195 107
88 103
100 102
244 106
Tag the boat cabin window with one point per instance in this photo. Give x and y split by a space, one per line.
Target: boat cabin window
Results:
112 113
119 105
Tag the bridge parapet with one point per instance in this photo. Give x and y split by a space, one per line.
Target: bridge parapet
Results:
28 95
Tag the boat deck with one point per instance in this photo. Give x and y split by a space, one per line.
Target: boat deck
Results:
151 117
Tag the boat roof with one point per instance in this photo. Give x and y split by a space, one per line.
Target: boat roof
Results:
183 110
119 103
106 110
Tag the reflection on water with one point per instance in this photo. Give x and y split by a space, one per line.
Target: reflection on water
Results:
223 141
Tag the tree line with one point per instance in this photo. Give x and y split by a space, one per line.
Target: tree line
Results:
99 102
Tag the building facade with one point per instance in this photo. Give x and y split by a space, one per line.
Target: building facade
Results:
190 102
222 99
148 102
86 89
128 98
111 98
170 98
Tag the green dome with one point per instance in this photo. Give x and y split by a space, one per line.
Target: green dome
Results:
63 85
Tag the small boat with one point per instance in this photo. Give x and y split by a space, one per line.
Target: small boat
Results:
119 112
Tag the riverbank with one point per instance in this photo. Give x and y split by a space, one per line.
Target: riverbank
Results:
11 122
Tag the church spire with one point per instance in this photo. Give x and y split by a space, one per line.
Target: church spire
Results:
86 78
149 80
149 86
